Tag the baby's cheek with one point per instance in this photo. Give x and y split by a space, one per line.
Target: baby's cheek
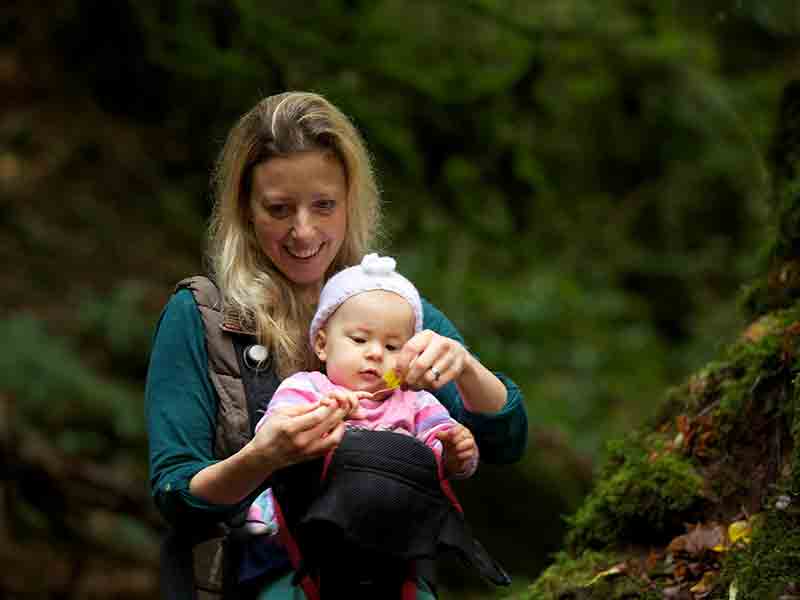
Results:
337 375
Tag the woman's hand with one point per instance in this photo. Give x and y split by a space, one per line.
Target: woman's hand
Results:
294 434
459 450
290 435
429 360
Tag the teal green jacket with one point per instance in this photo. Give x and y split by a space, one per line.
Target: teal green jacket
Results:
181 413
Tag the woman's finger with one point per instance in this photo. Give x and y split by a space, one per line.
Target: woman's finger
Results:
425 350
439 360
454 365
294 410
310 420
411 349
334 418
322 445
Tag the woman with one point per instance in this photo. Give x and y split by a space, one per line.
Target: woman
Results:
295 202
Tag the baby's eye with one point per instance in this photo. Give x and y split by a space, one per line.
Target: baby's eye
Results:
357 339
392 348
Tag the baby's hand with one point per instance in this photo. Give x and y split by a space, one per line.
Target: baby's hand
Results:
347 400
460 451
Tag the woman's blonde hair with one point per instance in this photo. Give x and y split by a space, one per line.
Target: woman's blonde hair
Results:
253 289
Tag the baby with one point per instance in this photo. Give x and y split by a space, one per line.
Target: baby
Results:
365 315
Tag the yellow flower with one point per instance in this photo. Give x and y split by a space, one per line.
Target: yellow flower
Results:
392 379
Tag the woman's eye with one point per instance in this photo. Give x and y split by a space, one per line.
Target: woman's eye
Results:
278 211
357 339
326 205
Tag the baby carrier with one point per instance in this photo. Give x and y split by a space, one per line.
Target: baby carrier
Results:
363 522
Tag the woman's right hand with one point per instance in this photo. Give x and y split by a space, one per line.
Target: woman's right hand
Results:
291 434
297 433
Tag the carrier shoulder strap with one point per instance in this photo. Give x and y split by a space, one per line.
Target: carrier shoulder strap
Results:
233 421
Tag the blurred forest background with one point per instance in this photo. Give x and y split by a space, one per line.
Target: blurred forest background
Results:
579 184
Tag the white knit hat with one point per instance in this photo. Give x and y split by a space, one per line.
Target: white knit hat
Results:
374 273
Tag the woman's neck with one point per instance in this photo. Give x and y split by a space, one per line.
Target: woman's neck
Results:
309 294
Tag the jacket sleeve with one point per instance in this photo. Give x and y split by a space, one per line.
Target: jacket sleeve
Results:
181 412
502 436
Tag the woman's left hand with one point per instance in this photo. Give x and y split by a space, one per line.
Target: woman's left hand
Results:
429 360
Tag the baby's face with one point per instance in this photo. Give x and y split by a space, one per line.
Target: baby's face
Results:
363 338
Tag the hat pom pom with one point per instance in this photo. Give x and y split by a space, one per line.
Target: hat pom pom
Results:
372 264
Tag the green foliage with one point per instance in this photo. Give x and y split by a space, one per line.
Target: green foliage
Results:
579 184
56 393
599 264
120 323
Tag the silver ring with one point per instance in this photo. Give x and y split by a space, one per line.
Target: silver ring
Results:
436 373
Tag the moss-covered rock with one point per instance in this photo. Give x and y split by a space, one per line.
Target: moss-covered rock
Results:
721 455
644 495
608 584
724 447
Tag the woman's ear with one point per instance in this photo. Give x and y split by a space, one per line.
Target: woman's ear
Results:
319 345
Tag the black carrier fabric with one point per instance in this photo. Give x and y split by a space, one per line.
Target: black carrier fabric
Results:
378 507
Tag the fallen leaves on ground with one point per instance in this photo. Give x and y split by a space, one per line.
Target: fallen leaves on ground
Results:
689 567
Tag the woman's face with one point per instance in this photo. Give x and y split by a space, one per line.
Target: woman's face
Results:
299 212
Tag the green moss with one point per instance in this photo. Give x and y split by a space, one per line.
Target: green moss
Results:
568 572
570 578
771 561
636 499
793 408
769 348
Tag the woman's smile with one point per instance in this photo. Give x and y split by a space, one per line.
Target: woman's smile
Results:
304 254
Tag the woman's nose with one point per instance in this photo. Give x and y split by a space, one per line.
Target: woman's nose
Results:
303 224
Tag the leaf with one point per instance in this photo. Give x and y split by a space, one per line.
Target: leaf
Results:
684 427
705 585
652 560
392 379
737 531
733 591
615 570
703 442
740 530
699 539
